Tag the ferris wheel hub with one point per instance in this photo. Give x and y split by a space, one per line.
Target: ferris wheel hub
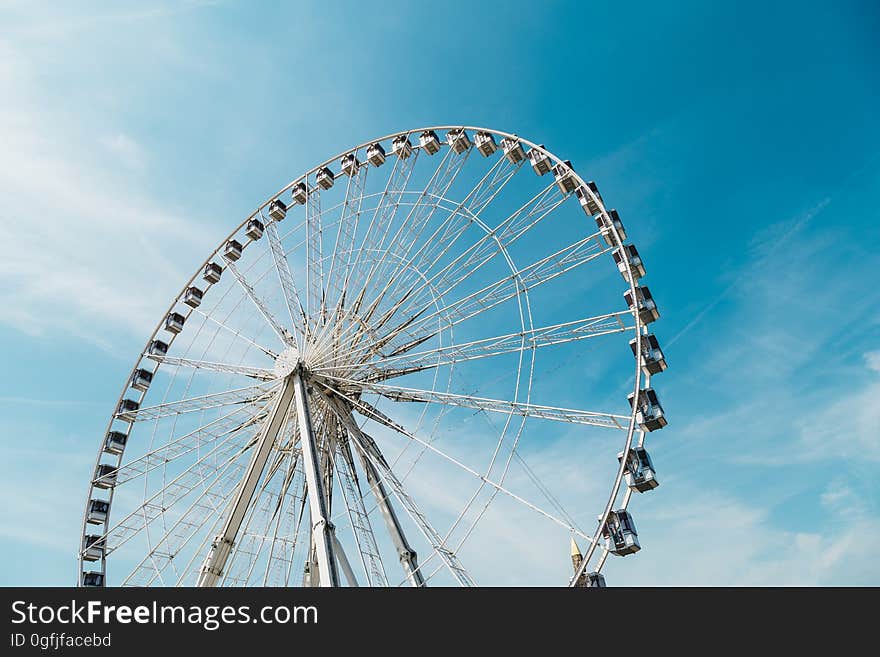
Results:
287 361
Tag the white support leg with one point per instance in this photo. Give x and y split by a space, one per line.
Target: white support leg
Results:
322 534
343 562
215 562
405 552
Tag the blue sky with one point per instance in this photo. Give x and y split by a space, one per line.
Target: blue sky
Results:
740 142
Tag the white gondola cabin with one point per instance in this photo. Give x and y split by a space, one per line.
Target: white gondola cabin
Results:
643 304
114 443
232 250
611 226
349 164
458 140
212 272
376 154
325 178
621 537
93 547
105 476
299 193
429 142
513 150
594 581
565 179
539 160
639 471
589 203
653 360
402 147
92 579
485 143
127 409
158 348
649 412
595 189
277 210
98 510
174 322
629 262
254 229
141 379
193 297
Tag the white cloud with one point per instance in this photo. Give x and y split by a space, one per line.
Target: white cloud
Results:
126 149
703 538
45 20
847 427
840 496
872 358
87 252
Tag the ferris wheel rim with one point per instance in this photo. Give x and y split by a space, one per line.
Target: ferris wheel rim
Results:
639 327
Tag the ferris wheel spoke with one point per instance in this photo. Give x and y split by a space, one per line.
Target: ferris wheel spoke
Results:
223 428
365 329
262 511
508 231
188 575
413 225
216 559
345 237
198 524
406 554
285 454
415 328
420 214
372 413
247 395
380 224
335 288
236 333
279 562
373 456
526 278
283 334
573 416
405 362
255 531
504 235
457 221
449 558
260 373
314 253
213 465
291 295
203 513
359 520
465 265
505 289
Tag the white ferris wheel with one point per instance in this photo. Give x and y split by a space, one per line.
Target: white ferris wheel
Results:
377 379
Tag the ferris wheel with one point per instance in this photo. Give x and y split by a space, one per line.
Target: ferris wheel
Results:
381 377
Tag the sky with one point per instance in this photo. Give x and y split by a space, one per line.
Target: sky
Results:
740 140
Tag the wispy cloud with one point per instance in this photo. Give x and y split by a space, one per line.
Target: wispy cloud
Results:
86 237
768 248
45 19
710 539
126 149
847 426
